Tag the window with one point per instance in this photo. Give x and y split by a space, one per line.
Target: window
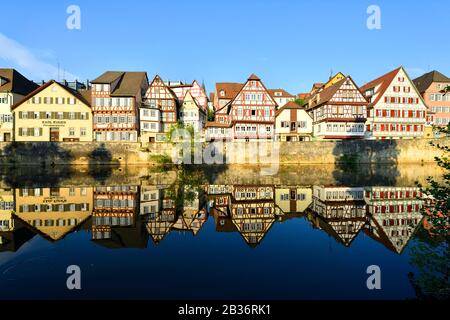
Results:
72 115
253 112
37 132
83 132
71 131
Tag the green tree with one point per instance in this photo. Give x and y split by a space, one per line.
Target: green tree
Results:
300 102
437 194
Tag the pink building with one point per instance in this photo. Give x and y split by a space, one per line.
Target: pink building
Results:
432 86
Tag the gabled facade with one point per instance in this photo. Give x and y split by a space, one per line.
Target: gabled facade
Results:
13 88
192 113
339 211
116 97
396 109
252 211
338 111
199 94
253 111
395 212
158 111
54 113
293 123
432 86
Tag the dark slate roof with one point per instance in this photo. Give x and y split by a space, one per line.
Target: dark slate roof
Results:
423 82
16 82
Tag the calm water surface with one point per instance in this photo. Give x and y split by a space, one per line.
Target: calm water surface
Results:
308 232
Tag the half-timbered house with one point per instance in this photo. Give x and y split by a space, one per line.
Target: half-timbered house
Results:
114 207
338 111
339 211
116 97
192 113
158 111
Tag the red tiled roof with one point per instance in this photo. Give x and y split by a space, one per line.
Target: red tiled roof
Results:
383 82
254 77
283 92
289 105
231 89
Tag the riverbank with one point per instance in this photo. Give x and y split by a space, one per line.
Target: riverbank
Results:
316 152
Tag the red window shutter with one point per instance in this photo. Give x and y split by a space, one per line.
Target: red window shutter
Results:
385 99
392 113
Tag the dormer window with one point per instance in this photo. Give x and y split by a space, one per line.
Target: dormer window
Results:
278 94
222 93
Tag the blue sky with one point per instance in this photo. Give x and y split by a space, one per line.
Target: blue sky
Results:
288 44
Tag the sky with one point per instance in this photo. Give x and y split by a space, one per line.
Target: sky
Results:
289 44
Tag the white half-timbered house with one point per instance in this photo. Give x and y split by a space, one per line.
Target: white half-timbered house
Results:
338 111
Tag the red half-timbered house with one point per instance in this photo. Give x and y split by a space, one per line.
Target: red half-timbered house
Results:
158 111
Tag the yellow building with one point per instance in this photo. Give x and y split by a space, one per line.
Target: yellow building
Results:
53 112
54 212
334 79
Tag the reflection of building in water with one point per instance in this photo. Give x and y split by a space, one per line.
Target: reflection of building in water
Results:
12 232
292 199
53 212
253 211
340 211
6 210
159 210
193 214
114 206
395 214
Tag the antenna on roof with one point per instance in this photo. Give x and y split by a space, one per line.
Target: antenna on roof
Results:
58 72
331 73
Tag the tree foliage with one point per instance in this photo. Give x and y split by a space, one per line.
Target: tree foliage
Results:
437 194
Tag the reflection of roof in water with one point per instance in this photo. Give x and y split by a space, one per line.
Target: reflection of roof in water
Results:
52 234
381 233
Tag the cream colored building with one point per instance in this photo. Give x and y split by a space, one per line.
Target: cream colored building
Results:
13 88
192 114
292 199
293 123
54 113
